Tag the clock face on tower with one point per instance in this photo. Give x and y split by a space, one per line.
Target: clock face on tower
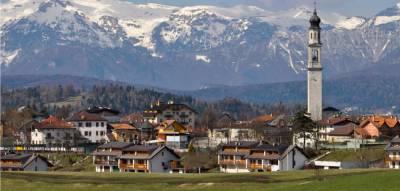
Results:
314 55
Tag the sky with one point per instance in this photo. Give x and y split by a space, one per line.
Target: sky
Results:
364 8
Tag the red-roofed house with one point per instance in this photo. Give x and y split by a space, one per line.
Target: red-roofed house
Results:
54 131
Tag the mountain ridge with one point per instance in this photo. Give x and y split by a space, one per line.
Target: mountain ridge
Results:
185 48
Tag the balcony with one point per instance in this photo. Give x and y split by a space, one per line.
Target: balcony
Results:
134 166
106 162
232 162
255 166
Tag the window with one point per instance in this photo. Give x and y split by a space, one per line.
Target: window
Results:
79 124
97 124
86 133
162 153
101 133
102 124
88 124
48 135
90 133
97 133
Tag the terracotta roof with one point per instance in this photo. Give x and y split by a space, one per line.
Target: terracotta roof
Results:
122 126
380 121
53 123
263 118
86 116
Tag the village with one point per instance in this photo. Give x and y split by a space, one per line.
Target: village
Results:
164 138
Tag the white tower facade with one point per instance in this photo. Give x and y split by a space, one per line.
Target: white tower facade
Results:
314 74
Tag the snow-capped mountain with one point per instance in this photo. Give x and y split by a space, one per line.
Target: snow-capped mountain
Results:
185 47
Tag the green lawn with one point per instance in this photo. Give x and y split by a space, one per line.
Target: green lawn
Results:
354 156
353 180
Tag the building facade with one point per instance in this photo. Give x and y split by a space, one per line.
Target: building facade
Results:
160 112
392 158
106 156
91 126
148 158
54 131
239 157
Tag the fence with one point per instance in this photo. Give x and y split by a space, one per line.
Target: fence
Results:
44 149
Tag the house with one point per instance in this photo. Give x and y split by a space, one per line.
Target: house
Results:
279 130
392 153
92 126
106 156
385 127
123 132
160 112
237 131
148 158
54 131
24 162
232 156
173 134
330 124
146 129
23 134
266 157
236 157
111 115
343 134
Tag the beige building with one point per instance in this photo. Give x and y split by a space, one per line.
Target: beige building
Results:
160 112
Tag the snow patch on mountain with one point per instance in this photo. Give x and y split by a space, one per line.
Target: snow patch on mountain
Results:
380 20
351 23
8 57
203 58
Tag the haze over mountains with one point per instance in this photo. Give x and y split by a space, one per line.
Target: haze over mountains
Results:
186 48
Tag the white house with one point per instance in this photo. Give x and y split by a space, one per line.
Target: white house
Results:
53 131
236 157
148 158
92 126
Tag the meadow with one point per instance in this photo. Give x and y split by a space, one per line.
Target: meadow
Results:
307 180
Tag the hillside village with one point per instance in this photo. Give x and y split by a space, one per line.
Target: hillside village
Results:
118 130
164 138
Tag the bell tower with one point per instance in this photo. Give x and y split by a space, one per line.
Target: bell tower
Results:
314 74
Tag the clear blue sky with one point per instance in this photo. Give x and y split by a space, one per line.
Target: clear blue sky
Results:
365 8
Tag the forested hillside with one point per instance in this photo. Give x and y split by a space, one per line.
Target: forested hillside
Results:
62 100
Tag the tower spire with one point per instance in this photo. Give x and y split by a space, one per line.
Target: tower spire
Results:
315 7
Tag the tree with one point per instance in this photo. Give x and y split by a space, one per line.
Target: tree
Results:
304 125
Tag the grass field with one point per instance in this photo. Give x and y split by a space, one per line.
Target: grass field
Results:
354 156
336 180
